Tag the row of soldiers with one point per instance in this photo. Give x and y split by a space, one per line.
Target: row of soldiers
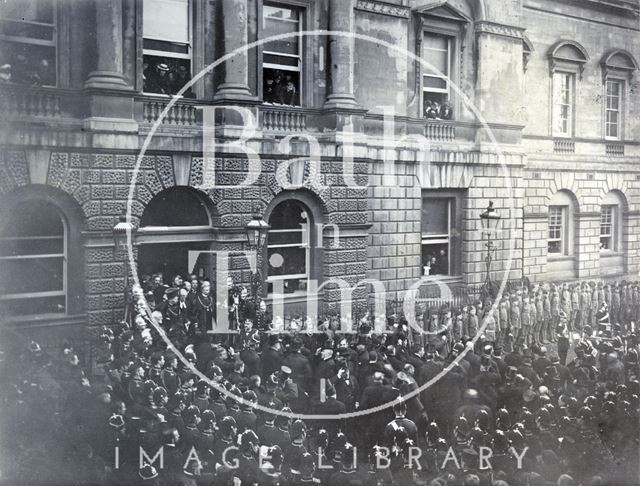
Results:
531 314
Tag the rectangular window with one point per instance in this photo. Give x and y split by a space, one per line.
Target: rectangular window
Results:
607 228
437 220
555 240
28 42
282 59
613 110
436 51
166 46
563 102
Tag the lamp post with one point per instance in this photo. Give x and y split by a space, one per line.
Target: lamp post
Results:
256 231
120 232
489 219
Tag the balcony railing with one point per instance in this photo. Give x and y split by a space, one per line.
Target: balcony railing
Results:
18 101
181 113
561 146
615 149
283 118
440 130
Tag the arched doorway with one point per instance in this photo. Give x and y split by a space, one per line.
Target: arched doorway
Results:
175 223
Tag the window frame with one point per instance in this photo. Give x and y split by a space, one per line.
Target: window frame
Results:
196 17
455 208
571 77
306 8
613 227
451 48
621 111
561 228
306 242
57 41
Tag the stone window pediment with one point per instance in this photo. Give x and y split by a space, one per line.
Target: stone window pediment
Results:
568 56
618 63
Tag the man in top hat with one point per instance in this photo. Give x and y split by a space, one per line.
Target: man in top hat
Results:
272 359
562 338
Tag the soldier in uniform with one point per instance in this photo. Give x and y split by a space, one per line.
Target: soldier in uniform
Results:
585 305
526 321
615 304
562 338
575 307
546 318
514 318
538 338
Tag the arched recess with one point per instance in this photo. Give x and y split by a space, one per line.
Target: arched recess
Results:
175 223
562 236
614 233
297 219
41 253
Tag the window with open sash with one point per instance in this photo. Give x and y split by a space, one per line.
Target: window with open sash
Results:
607 228
33 260
436 51
167 46
437 217
288 248
563 101
555 240
613 111
28 42
282 59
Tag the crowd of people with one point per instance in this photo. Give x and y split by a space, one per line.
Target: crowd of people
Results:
487 396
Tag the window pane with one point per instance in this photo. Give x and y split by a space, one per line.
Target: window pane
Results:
285 238
438 60
33 306
431 82
31 275
435 259
435 216
288 215
555 247
29 64
605 243
294 261
35 218
166 19
166 75
437 42
285 61
29 246
278 21
31 11
30 31
177 206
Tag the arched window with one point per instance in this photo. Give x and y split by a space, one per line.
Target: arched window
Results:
33 259
612 234
288 246
176 206
561 236
175 222
561 224
611 212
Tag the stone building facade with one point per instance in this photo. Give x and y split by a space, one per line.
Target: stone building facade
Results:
532 104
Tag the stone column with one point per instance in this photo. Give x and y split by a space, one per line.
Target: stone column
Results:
236 69
109 69
341 51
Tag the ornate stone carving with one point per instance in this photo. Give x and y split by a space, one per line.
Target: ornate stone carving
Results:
486 27
383 8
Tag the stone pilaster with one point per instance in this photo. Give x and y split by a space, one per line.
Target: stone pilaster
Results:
109 68
235 85
341 51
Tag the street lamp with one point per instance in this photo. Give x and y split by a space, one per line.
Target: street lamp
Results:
257 230
489 219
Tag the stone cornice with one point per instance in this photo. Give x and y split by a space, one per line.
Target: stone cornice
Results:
383 8
486 27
